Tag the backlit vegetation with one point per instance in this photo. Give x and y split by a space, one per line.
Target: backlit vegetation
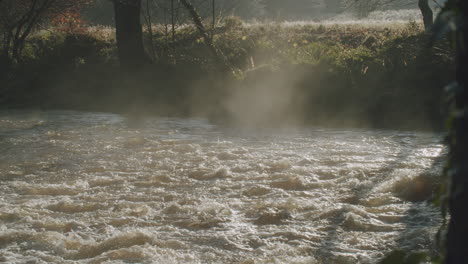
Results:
341 72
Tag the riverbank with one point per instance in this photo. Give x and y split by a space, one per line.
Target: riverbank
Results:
336 75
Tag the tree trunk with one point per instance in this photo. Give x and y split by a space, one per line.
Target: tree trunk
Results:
213 17
427 14
129 34
457 237
173 21
5 64
149 26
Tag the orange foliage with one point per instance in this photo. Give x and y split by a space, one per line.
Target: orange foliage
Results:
69 22
66 16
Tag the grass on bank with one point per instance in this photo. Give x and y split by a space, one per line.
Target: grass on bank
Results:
379 76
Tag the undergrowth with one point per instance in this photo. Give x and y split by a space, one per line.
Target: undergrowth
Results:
384 76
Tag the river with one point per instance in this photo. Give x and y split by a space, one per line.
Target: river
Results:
80 187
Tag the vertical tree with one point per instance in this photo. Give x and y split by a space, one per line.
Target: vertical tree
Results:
148 17
173 21
129 33
457 237
213 17
427 14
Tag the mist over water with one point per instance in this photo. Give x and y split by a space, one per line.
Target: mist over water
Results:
375 18
81 187
379 17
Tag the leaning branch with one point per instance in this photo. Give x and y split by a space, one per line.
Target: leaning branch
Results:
219 57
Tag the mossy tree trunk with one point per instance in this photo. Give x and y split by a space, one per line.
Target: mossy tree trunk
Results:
427 14
129 33
457 238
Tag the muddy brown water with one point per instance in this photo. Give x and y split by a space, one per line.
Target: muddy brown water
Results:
81 187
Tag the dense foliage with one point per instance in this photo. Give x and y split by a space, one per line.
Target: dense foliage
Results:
20 18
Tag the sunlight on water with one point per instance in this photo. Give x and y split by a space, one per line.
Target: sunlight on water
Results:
374 19
96 188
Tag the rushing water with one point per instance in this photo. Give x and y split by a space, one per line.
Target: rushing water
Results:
98 188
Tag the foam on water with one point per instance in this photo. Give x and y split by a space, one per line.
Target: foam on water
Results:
95 188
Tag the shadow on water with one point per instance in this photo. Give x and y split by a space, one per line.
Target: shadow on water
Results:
43 136
420 221
423 218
